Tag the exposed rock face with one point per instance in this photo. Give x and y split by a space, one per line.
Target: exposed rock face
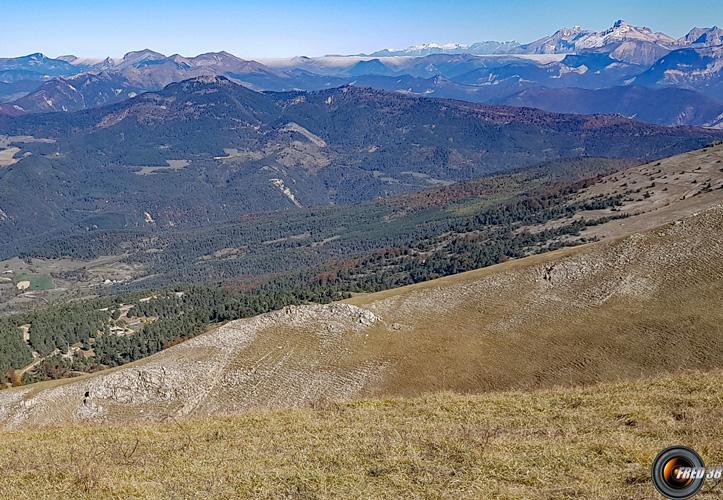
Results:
213 373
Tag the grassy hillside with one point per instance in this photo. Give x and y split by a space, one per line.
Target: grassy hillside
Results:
637 306
596 442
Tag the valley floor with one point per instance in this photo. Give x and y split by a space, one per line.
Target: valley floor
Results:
595 442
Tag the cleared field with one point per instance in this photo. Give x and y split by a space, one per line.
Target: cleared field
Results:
8 153
37 281
6 140
172 165
7 156
638 306
596 442
59 279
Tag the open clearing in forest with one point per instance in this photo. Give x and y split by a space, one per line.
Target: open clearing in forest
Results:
172 165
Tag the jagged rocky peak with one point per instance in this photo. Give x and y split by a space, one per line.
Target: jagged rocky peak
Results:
620 23
703 36
570 31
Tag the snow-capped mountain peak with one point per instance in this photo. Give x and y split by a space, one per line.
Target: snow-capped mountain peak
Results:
425 49
622 31
443 46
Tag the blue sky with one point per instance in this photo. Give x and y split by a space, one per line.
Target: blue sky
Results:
267 28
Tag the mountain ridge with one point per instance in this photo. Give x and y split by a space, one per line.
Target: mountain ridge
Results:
622 55
244 144
575 40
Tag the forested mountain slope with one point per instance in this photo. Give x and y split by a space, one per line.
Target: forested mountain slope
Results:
232 151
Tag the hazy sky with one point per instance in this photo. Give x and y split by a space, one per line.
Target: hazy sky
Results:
267 28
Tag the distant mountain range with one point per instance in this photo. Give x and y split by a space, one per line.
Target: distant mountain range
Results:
425 49
557 70
636 45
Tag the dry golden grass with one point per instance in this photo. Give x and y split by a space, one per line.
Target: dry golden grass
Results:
660 191
596 442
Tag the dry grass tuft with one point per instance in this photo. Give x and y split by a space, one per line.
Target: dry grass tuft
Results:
560 443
